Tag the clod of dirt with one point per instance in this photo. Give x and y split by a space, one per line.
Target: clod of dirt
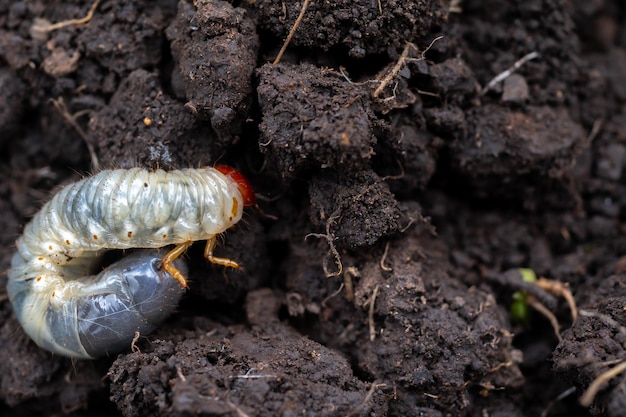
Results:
613 69
506 143
60 62
363 27
447 120
356 210
434 342
535 150
611 161
390 89
13 94
313 118
515 89
122 37
441 366
271 371
407 158
453 77
595 343
14 50
214 45
414 79
143 126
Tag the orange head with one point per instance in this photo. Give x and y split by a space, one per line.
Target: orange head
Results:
245 188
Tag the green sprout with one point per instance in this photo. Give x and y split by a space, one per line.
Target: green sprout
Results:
519 310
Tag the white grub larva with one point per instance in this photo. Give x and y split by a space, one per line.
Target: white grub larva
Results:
67 311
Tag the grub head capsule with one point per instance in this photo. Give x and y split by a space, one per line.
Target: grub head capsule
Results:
245 188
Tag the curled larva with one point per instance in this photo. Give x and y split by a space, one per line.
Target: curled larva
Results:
66 310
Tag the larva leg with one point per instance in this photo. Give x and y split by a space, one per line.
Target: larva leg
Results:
169 258
208 253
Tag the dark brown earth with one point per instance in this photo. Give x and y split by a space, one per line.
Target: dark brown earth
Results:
399 191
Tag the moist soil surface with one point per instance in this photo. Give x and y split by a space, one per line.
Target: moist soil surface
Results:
413 161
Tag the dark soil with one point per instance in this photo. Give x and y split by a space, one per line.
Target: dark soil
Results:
400 192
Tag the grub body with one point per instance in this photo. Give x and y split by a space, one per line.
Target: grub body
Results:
115 209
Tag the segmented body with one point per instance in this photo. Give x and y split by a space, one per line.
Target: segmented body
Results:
115 209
